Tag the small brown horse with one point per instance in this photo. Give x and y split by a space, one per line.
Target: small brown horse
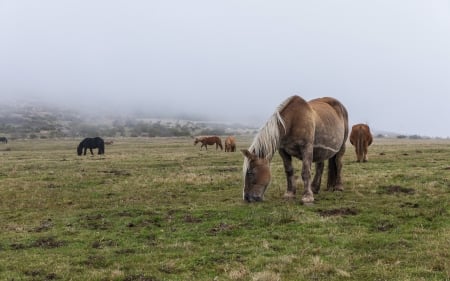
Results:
312 131
230 144
361 138
209 140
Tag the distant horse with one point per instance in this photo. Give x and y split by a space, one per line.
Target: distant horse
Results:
109 142
3 140
361 138
312 131
209 140
230 144
91 143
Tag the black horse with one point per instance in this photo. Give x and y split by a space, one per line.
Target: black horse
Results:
91 143
3 140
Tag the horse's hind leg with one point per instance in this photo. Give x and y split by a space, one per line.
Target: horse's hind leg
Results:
365 158
92 153
335 171
317 177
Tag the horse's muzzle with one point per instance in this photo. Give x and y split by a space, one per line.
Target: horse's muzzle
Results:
251 198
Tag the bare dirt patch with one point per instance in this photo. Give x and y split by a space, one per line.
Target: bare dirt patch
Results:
338 212
191 219
395 189
140 277
44 226
220 228
48 243
384 226
117 172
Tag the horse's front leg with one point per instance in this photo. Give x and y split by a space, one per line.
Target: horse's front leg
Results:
318 177
85 150
307 156
289 170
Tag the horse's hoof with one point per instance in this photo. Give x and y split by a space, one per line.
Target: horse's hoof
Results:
338 188
308 200
289 195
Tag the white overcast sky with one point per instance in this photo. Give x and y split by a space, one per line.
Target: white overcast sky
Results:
387 61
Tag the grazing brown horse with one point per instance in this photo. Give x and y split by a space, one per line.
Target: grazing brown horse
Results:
361 138
230 144
312 131
209 140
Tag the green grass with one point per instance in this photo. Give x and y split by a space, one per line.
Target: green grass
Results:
161 209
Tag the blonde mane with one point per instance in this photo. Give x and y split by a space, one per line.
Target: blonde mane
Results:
267 141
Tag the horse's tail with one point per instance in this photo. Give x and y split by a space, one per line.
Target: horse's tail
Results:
360 143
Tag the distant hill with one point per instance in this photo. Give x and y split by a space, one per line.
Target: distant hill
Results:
28 120
31 120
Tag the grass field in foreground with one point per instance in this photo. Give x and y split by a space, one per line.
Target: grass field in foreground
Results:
161 209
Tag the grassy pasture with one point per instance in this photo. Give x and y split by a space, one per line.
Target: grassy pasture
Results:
161 209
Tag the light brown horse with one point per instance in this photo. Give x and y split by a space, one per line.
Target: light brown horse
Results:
230 144
209 140
312 131
361 138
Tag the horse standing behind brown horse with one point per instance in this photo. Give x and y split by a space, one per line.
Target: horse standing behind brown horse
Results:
209 140
312 131
230 144
361 138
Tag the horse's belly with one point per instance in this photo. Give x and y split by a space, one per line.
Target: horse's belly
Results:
326 150
323 153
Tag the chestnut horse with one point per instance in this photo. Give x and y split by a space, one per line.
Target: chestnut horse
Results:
361 138
209 140
230 144
312 131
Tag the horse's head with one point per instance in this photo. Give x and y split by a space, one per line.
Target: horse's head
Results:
256 176
80 149
197 140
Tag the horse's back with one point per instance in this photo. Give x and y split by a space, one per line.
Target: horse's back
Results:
322 107
321 122
211 140
322 114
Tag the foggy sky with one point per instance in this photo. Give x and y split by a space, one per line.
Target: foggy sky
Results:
236 60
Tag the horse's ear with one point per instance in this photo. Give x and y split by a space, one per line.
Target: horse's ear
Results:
248 154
